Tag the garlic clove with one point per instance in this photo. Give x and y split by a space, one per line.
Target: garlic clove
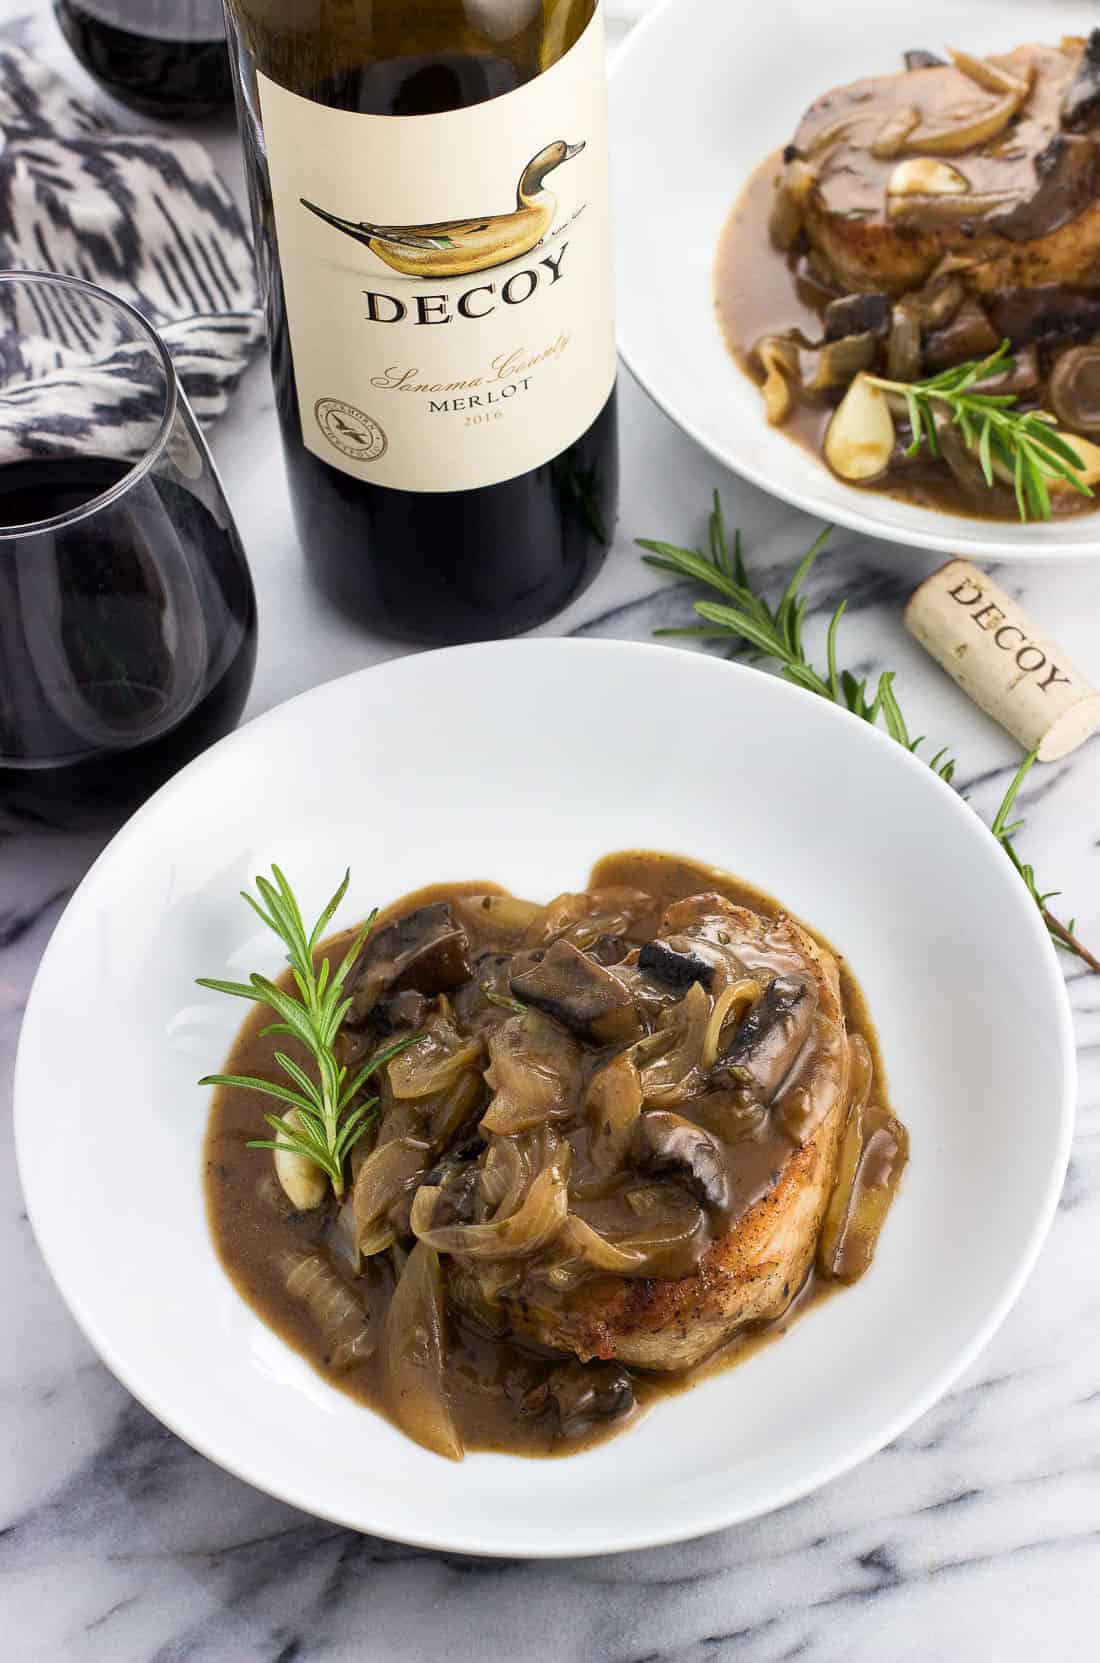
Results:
859 440
304 1184
1090 456
924 176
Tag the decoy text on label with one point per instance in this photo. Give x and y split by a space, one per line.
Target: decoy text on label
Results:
473 303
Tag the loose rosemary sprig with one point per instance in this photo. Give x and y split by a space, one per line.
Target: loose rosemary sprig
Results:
330 1122
1020 445
746 618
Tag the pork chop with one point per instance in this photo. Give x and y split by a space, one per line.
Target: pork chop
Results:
780 1180
1018 210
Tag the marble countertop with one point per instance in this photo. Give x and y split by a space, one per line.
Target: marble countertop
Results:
976 1536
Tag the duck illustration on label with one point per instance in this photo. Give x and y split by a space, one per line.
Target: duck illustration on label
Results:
456 248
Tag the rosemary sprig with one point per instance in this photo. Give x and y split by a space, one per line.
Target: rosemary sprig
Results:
745 617
330 1122
1021 446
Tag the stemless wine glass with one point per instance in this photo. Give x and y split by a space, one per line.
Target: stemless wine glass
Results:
127 615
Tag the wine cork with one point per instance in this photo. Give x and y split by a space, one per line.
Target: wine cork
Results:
987 643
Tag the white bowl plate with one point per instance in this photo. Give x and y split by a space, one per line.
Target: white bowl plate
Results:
701 92
523 762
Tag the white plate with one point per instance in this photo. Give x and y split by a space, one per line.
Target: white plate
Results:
523 762
702 91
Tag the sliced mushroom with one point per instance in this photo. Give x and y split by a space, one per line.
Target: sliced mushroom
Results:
1021 376
486 1001
1075 389
969 335
425 950
857 314
835 363
1052 313
1066 171
303 1182
859 440
1081 107
668 1144
918 58
768 1041
571 987
962 459
581 1394
397 1012
677 966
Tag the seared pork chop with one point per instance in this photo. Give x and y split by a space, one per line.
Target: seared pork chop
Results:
1019 209
778 1178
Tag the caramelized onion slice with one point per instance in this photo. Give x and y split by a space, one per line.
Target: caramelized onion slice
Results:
678 1072
312 1282
435 1061
612 1105
534 1071
534 1225
777 357
582 918
668 1242
387 1174
873 1151
503 915
734 1002
415 1350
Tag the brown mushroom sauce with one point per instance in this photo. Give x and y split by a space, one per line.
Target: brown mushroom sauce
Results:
914 295
545 1004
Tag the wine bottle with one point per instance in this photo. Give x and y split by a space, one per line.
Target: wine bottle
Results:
166 58
429 191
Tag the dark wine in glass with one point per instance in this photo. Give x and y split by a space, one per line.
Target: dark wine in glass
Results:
127 615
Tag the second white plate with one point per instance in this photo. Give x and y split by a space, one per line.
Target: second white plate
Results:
702 92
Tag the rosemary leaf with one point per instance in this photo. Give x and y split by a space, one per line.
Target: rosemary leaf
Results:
329 1120
749 621
1022 443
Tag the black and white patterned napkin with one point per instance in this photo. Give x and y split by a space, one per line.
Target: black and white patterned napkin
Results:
148 218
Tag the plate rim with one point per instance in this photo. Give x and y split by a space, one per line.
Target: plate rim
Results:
955 540
626 1538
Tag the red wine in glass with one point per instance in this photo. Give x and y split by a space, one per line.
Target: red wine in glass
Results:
127 615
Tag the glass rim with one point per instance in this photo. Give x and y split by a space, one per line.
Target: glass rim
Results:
155 448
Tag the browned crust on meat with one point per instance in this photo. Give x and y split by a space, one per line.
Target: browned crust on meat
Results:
750 1275
894 259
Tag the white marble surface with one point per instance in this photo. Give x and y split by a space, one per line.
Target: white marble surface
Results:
974 1537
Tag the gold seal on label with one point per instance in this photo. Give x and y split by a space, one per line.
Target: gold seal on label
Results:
352 431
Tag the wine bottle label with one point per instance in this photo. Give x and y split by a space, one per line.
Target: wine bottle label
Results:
184 20
448 277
